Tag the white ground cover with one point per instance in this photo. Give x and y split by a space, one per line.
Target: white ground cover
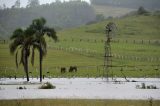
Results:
79 88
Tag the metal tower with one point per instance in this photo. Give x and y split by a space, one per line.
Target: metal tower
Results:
108 56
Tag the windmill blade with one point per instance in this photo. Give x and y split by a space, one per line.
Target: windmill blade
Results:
111 29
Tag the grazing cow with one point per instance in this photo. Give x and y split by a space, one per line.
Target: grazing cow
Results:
73 69
63 69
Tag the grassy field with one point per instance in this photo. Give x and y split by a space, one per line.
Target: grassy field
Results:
111 11
84 47
62 102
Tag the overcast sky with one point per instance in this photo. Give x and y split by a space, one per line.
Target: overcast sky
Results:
10 3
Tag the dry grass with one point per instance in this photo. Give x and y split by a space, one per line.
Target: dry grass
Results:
66 102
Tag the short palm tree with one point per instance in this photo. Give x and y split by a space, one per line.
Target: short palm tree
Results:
21 42
39 30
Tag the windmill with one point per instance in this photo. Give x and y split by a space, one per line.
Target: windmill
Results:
110 32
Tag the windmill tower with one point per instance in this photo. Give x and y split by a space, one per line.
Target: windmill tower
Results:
110 29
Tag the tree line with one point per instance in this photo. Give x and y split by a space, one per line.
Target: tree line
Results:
58 14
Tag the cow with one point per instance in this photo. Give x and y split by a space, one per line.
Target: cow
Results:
63 69
73 69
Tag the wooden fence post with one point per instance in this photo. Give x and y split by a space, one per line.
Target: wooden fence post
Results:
142 42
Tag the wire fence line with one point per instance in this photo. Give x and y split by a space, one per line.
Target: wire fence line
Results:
4 41
96 54
100 55
113 41
101 41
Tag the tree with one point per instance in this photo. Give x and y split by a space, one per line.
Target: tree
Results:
141 10
100 17
62 15
4 6
57 1
21 42
39 30
33 3
17 4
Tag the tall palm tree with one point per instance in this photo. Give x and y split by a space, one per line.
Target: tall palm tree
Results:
21 42
39 30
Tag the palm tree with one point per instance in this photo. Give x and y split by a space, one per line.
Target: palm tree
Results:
21 41
39 30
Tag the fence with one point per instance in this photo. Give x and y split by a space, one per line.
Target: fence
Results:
102 41
96 54
3 41
113 41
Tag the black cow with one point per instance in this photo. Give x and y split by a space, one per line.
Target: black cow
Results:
73 69
63 69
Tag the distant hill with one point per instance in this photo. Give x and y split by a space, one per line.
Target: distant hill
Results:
62 15
58 15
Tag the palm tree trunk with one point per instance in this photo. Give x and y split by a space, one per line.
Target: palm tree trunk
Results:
26 66
40 63
27 70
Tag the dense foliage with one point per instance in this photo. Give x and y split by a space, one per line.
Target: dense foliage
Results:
57 14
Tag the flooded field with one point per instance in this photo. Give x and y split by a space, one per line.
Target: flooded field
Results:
82 88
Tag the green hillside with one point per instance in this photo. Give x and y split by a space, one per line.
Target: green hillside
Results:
111 11
137 27
137 46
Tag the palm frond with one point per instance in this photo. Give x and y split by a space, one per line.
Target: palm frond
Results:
14 45
50 32
17 33
38 24
29 31
22 57
43 20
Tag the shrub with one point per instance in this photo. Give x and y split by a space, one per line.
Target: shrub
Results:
153 87
47 85
138 86
148 87
143 86
134 81
142 11
21 87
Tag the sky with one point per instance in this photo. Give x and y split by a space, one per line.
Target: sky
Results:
10 3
